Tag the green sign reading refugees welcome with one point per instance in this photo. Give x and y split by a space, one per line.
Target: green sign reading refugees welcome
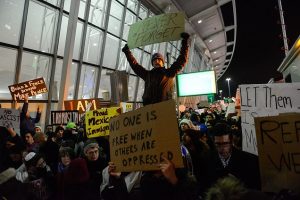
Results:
160 28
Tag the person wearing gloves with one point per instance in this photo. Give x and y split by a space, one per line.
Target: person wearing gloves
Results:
159 82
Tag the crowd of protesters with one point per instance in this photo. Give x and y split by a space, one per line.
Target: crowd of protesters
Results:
62 163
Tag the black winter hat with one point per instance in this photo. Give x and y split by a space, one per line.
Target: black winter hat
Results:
157 56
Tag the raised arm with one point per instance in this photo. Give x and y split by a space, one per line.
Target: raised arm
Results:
180 62
136 67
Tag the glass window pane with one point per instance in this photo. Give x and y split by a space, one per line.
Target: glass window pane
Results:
98 12
81 9
67 5
63 35
57 80
132 5
105 88
129 20
140 91
93 45
131 87
7 71
146 61
87 83
143 12
34 66
77 44
54 2
111 51
40 27
10 21
115 17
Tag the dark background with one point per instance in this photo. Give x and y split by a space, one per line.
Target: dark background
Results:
259 44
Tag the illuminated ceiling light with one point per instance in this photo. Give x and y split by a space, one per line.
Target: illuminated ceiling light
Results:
216 60
217 66
215 52
210 41
200 21
95 44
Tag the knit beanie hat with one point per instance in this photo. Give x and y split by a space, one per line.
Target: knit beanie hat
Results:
157 56
71 125
188 122
90 143
31 159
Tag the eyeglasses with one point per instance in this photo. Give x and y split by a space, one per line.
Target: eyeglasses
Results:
222 144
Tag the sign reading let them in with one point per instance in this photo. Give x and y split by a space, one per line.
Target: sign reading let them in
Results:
160 28
31 88
138 139
278 143
261 100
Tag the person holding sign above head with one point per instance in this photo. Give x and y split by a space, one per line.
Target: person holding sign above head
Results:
27 124
159 81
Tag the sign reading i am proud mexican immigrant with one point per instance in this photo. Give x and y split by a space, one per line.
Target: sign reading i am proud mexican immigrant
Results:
31 88
159 28
97 121
139 139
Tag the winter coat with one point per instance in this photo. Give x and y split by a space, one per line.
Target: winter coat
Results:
27 124
159 82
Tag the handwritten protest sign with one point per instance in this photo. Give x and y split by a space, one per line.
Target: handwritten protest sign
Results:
31 88
62 117
265 100
278 141
138 139
160 28
82 105
97 121
10 118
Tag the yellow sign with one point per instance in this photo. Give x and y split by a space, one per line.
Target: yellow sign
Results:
278 143
160 28
97 121
139 139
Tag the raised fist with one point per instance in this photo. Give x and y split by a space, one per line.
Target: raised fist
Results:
185 35
125 48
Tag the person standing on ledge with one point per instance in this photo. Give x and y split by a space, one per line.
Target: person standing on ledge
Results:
159 82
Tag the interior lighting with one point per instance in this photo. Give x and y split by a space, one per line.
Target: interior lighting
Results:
215 52
210 41
200 21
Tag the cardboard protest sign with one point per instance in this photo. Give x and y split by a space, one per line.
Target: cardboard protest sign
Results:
160 28
265 100
138 139
97 121
82 105
10 118
31 88
126 107
62 117
278 141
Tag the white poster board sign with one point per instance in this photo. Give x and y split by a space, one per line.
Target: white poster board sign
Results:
10 118
261 100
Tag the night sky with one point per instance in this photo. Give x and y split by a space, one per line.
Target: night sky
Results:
258 52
